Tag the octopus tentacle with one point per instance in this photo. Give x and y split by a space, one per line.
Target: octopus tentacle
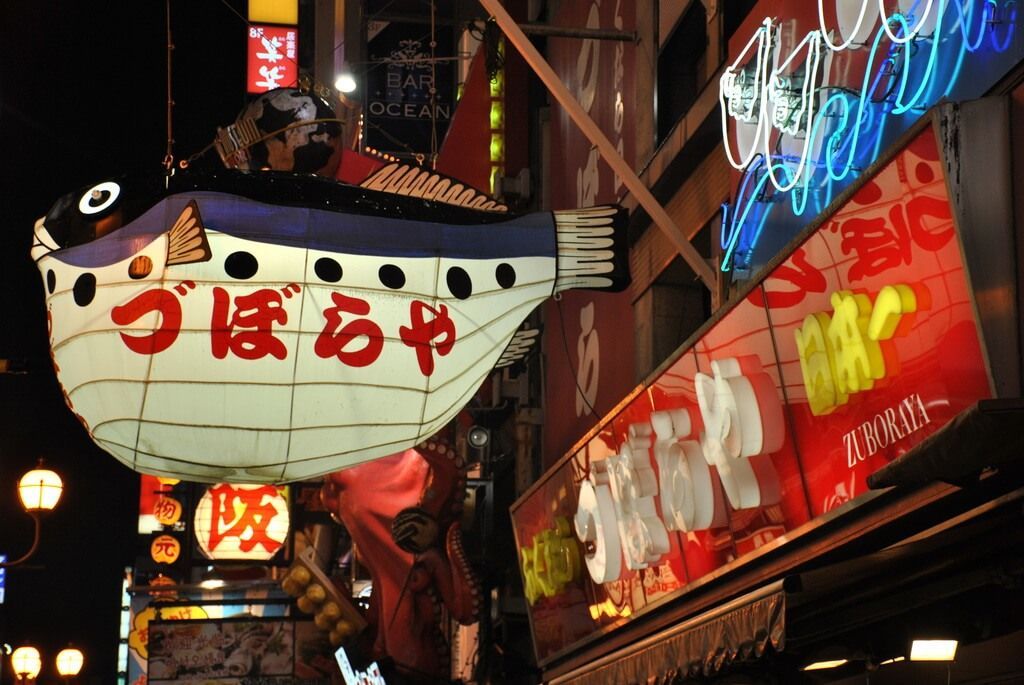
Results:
467 600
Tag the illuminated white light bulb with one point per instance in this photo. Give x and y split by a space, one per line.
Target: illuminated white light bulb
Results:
820 665
345 83
933 650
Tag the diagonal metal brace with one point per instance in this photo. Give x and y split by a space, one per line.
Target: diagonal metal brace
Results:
597 137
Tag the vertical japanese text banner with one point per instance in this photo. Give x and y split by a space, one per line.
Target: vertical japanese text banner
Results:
589 343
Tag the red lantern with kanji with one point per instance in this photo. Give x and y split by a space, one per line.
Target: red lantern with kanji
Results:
242 521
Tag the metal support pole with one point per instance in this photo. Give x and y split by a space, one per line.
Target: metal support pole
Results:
593 34
32 550
604 146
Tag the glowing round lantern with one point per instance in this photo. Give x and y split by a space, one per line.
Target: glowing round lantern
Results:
242 521
26 662
70 662
165 549
40 490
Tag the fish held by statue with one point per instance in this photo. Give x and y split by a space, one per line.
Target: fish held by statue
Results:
271 327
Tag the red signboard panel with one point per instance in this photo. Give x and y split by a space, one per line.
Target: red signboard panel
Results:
852 351
589 345
897 229
273 57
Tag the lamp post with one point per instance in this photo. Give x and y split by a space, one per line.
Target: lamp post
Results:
69 662
39 490
26 663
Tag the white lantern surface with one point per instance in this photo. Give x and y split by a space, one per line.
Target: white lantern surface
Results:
271 327
70 661
40 490
26 662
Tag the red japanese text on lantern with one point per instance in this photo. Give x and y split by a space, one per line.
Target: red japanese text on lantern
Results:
355 341
167 510
248 326
158 301
242 521
165 549
428 336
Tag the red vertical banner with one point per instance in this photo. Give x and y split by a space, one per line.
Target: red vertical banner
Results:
273 57
589 343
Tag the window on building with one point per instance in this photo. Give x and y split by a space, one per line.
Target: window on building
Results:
735 12
681 66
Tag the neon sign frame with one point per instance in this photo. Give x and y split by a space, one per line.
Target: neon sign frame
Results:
800 138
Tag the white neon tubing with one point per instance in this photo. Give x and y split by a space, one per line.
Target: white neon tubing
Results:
813 42
762 37
911 35
853 34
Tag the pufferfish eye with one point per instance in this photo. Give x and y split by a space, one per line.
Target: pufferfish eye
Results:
99 198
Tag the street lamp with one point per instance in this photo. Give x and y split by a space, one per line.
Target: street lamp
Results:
69 662
26 663
40 490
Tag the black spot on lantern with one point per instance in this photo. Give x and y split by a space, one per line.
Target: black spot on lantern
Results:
241 265
459 283
391 276
85 289
327 270
505 275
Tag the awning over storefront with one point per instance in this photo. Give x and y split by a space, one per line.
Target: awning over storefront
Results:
703 645
986 435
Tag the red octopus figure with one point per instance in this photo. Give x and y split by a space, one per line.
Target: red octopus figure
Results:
399 511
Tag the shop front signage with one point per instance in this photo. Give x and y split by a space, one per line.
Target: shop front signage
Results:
410 88
167 510
811 97
165 549
849 353
590 362
242 521
272 57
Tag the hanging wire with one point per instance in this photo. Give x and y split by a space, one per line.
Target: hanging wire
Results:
169 156
433 84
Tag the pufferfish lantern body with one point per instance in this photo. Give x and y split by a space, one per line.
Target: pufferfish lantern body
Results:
270 327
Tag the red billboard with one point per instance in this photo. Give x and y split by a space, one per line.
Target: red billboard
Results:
589 346
851 351
273 57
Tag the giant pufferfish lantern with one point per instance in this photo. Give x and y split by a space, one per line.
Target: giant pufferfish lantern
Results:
270 327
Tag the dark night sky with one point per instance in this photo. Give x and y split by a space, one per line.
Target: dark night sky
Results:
82 98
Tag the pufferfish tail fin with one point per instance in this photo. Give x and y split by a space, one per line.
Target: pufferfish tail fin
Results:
592 248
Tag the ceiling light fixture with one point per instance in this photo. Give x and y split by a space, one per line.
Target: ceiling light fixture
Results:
933 650
821 665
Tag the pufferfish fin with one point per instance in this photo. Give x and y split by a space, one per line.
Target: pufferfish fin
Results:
592 248
519 347
186 241
414 181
